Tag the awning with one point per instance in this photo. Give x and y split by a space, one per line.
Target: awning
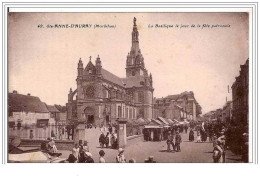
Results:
170 121
152 127
175 120
163 120
157 121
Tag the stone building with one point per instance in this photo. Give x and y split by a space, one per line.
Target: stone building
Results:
180 106
28 117
101 97
240 96
53 114
27 110
227 112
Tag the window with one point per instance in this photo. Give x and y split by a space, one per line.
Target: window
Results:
119 111
131 114
126 113
140 96
90 71
105 93
90 92
133 73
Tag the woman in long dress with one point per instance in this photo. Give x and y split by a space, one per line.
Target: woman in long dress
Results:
198 136
191 135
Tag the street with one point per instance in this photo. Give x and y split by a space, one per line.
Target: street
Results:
139 150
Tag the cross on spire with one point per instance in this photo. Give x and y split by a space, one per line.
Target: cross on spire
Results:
89 58
134 21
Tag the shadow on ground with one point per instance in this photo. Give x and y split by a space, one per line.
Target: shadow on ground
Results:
209 152
171 151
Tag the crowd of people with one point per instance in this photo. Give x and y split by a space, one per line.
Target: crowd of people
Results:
161 134
81 154
109 140
222 135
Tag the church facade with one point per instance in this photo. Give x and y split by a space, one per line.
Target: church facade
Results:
101 97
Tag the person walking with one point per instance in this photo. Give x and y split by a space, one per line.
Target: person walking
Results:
178 141
170 142
107 140
198 136
191 135
102 140
120 158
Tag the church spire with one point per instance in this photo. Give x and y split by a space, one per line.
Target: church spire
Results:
80 67
135 40
98 65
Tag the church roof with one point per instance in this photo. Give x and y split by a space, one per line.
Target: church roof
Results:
133 81
26 103
111 77
130 82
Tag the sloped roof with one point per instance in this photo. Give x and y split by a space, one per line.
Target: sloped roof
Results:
129 82
156 121
20 102
133 81
163 120
111 77
52 109
170 121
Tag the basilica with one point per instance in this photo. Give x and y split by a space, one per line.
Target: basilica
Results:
102 97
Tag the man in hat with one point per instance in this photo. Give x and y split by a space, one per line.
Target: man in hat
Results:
120 158
169 142
178 141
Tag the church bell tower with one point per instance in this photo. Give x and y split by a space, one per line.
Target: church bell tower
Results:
135 61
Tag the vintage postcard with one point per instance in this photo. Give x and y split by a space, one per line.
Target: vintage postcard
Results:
126 87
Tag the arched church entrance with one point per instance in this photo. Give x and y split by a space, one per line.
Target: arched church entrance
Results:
89 115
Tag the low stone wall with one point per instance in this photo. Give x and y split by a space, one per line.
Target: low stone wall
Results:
61 145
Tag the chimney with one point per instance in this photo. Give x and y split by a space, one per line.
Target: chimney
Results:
28 94
15 92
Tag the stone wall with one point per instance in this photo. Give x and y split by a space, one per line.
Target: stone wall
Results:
61 145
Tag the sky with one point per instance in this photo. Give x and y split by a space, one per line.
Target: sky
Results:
43 61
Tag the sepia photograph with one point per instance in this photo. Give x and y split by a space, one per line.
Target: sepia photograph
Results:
128 87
